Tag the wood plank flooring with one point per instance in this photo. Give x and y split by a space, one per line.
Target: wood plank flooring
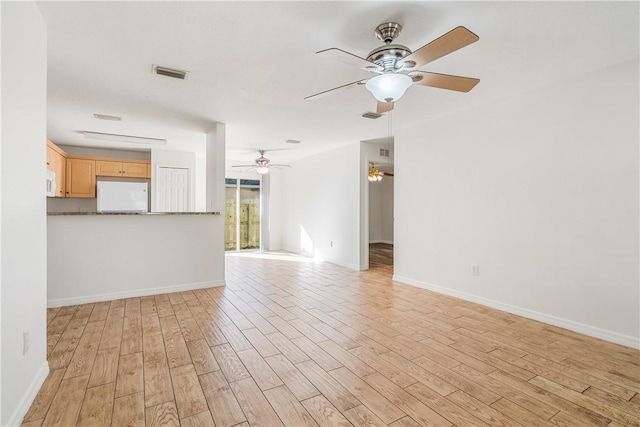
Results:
293 342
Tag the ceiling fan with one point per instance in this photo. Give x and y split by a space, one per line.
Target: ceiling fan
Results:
262 164
395 67
376 174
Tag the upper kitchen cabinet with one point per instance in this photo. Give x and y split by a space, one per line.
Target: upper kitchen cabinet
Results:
136 169
81 178
127 169
56 163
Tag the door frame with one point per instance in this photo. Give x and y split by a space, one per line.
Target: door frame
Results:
238 176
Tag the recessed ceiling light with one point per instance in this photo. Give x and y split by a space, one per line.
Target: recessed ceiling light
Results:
107 117
124 138
292 141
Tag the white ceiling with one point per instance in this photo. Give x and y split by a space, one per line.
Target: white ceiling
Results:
252 63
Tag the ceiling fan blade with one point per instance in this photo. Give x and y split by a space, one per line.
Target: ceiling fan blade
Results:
455 39
444 81
279 166
383 107
387 174
349 59
243 166
329 91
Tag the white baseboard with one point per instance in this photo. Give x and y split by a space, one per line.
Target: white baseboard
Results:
581 328
388 242
344 264
61 302
29 396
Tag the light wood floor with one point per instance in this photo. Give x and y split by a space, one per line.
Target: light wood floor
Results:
301 343
381 258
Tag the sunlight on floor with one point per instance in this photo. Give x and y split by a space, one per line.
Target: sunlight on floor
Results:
279 255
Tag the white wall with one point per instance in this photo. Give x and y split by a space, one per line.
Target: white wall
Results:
201 184
216 143
540 190
381 211
23 211
276 200
321 204
131 255
174 159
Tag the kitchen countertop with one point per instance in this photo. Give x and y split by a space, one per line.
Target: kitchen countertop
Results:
133 213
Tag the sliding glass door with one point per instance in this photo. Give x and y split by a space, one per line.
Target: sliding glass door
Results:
242 214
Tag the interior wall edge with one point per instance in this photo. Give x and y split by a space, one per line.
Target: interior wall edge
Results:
29 396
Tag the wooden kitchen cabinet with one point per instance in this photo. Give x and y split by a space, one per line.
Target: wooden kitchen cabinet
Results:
108 168
56 162
135 170
81 178
123 169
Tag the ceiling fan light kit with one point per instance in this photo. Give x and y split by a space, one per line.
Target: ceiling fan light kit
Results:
395 67
375 175
389 87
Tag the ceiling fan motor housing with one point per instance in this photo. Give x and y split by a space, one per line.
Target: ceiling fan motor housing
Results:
387 56
388 31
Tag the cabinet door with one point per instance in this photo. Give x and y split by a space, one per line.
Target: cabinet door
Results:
58 162
135 170
81 178
107 168
50 160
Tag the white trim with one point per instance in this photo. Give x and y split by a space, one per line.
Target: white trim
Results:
344 264
29 396
61 302
388 242
581 328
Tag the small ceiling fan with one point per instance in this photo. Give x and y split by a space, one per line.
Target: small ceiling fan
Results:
376 174
262 164
395 67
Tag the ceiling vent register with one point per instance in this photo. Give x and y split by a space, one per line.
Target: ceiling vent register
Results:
371 115
169 72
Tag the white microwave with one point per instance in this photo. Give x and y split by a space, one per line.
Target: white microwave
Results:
51 183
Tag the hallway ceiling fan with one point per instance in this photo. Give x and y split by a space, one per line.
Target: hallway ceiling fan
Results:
395 67
262 164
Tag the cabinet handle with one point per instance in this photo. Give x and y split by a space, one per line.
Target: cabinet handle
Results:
48 163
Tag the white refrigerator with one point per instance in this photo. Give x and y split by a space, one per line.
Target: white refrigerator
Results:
123 196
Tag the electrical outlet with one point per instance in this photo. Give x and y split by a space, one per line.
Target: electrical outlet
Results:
25 342
475 270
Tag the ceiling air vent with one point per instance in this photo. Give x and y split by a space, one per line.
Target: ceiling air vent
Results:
384 152
371 115
107 117
292 141
169 72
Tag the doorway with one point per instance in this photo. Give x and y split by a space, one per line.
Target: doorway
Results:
242 214
381 224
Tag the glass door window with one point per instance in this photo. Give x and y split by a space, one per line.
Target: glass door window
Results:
242 214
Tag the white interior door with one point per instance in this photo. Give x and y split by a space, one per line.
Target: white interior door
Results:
173 189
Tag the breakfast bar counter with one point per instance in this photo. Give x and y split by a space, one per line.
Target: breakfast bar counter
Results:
95 256
131 213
